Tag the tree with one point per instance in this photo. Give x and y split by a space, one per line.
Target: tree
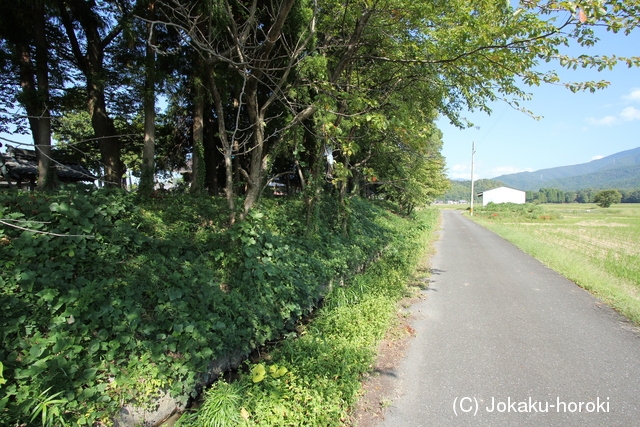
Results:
91 30
631 196
249 52
570 196
149 94
540 197
606 198
286 83
26 28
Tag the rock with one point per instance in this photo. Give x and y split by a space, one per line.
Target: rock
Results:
164 406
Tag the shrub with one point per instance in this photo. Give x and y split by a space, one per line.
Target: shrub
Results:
314 377
106 299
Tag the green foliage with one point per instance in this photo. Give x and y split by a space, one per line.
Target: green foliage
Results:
220 407
606 198
107 301
46 408
325 359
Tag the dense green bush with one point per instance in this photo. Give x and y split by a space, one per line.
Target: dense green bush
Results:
315 378
105 299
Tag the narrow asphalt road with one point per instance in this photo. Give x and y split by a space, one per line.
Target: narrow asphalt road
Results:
501 340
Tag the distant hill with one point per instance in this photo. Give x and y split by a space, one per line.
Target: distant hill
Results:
620 170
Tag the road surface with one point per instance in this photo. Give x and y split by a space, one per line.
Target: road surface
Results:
501 340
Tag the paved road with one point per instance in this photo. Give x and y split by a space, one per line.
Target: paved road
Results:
504 341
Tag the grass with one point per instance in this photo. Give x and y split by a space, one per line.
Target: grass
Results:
596 248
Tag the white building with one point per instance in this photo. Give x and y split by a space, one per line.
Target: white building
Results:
503 195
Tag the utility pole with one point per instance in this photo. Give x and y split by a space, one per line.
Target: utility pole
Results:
473 152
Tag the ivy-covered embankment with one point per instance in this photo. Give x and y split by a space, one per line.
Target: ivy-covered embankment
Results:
106 300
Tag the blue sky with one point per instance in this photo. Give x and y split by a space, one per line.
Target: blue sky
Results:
575 128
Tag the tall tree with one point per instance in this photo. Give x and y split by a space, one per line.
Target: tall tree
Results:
24 26
260 44
148 152
91 30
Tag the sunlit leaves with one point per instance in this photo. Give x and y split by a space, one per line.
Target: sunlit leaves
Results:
258 372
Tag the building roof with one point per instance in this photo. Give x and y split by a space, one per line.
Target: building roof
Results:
22 165
497 188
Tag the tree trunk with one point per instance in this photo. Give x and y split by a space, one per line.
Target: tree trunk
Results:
343 213
212 158
148 150
34 80
105 131
227 147
258 162
38 117
103 127
197 157
46 168
91 65
312 189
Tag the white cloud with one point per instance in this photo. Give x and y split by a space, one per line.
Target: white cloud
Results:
605 121
630 114
459 172
597 157
627 115
634 96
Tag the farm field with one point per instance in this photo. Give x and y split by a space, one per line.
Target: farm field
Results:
599 249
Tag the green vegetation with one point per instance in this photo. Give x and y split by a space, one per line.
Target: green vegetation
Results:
315 378
106 299
461 190
596 248
585 195
504 211
606 198
307 92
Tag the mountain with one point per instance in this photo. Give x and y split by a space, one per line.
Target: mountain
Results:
620 170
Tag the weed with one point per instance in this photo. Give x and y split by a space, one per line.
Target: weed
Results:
385 403
47 408
220 407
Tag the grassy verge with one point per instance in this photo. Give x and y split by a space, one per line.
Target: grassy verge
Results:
594 247
314 378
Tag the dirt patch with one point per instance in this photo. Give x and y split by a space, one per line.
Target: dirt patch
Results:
379 385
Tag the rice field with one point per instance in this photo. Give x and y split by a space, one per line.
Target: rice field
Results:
597 248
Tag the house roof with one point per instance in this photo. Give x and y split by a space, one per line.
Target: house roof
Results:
497 188
22 165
